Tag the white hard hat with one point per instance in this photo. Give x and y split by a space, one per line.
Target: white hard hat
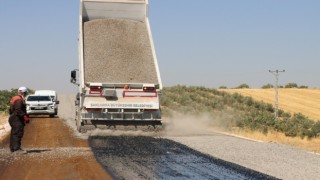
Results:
23 89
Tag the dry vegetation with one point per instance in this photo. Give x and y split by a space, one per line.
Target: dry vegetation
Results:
304 101
3 118
312 145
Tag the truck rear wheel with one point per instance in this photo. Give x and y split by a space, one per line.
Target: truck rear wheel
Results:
80 127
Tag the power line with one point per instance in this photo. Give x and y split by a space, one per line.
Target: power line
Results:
276 74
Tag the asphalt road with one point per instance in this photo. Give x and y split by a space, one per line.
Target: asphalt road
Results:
142 157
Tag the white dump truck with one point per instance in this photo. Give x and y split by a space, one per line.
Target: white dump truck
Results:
118 75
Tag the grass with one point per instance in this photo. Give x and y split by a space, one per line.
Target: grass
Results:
304 101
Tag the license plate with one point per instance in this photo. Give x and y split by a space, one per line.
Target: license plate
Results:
38 107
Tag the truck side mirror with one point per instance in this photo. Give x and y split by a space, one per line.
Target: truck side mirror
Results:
73 79
73 74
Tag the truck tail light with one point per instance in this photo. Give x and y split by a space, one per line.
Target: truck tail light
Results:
148 88
95 90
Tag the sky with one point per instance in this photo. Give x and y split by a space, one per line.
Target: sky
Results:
209 43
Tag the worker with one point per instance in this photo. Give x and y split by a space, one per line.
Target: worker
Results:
17 120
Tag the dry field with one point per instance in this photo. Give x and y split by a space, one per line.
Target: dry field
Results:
304 101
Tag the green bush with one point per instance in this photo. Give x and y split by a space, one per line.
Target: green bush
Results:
242 86
291 85
267 86
315 130
5 96
223 87
303 87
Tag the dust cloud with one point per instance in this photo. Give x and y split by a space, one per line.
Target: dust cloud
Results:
188 124
177 125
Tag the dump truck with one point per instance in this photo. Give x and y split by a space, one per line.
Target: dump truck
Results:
118 75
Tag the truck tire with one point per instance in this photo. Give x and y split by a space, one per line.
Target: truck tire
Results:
80 127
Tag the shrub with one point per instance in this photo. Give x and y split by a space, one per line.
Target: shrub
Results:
267 86
303 87
315 130
242 86
291 85
223 87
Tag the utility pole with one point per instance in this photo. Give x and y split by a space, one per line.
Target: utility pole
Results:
276 74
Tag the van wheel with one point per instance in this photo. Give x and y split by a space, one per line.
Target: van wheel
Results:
51 115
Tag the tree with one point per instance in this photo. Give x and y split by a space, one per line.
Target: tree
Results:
291 85
267 86
243 86
223 87
303 87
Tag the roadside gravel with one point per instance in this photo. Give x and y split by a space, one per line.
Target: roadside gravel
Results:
277 160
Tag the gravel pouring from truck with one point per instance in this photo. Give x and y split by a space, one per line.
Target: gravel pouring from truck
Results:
118 75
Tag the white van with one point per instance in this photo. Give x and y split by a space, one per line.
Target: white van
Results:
53 95
40 105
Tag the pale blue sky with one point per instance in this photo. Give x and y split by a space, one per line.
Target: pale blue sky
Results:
204 42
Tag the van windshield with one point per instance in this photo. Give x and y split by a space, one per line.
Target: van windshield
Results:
39 98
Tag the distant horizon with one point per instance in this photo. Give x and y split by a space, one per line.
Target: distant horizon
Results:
280 86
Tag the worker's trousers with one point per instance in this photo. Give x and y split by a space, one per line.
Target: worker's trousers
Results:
17 129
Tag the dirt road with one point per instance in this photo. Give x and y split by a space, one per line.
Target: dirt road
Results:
53 153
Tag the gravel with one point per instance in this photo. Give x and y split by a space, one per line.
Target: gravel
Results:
277 160
118 50
51 154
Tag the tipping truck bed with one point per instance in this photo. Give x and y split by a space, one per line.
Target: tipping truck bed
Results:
118 76
118 51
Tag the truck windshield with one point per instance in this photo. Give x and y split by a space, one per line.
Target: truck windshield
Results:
39 98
